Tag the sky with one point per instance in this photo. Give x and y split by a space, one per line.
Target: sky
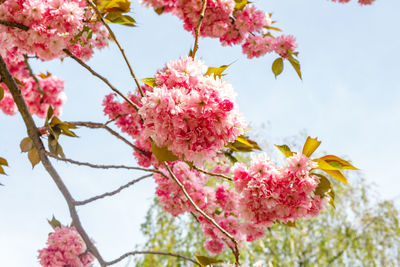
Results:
349 98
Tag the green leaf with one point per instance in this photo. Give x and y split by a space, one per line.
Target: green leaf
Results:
119 18
296 65
243 144
204 261
218 72
162 153
277 66
26 144
323 165
338 162
107 6
285 150
240 4
149 81
33 156
54 223
3 161
232 159
1 93
310 146
290 224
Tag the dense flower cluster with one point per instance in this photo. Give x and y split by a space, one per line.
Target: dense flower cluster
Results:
65 248
361 2
192 114
247 25
269 194
53 26
38 102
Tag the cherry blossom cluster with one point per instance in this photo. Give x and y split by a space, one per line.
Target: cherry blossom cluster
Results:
246 26
37 101
53 26
361 2
65 247
192 114
261 196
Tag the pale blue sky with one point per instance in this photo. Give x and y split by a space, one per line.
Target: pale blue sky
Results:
349 98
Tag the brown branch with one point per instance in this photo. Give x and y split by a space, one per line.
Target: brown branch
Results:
202 213
93 5
108 194
197 32
151 252
96 166
33 133
66 51
14 24
28 67
96 125
213 174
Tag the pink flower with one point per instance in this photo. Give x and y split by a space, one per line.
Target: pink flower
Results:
284 45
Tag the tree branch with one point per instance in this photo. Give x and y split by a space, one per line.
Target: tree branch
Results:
197 32
151 252
202 213
28 67
35 136
14 24
213 174
93 5
95 166
96 125
108 194
83 64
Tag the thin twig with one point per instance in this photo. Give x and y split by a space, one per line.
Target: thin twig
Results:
202 213
28 67
108 194
14 24
197 32
213 174
151 252
96 166
93 5
66 51
33 133
96 125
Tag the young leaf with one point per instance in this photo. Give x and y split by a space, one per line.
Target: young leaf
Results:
277 66
285 150
338 175
1 93
50 113
3 161
162 153
33 156
240 4
107 6
48 74
296 65
149 81
323 165
310 146
217 71
205 261
54 223
26 144
159 11
2 171
336 161
119 18
243 144
324 185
